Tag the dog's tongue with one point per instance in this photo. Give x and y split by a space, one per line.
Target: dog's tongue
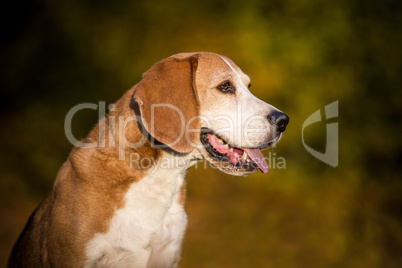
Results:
258 158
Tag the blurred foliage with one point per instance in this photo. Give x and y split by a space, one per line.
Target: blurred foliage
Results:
301 55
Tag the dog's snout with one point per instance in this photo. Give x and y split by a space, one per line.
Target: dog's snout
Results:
280 120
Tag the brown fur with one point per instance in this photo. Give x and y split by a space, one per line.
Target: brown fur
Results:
89 187
91 184
171 81
183 194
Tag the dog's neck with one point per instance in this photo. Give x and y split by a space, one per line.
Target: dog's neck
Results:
133 162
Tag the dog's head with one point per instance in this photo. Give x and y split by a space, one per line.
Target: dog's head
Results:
201 103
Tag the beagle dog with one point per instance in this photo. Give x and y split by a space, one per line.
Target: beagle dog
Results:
120 203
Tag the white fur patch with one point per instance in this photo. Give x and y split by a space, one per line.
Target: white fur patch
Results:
148 230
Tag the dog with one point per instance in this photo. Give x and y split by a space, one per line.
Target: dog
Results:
118 200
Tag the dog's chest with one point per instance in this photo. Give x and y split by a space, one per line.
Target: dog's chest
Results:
151 221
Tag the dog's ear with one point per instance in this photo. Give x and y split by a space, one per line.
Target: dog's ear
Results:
168 103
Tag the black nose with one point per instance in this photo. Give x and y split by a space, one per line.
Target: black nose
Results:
280 120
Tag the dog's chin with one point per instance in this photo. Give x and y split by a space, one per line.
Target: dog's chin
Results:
225 166
227 158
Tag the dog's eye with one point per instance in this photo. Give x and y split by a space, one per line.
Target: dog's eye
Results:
225 87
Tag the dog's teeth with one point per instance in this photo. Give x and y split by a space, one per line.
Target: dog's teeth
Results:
226 146
231 149
220 141
244 156
248 160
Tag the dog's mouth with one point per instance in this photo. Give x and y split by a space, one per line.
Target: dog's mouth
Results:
242 159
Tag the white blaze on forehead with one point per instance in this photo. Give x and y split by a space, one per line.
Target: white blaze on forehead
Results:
234 70
245 88
251 127
239 118
228 64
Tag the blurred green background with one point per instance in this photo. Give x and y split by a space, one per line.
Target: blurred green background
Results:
301 56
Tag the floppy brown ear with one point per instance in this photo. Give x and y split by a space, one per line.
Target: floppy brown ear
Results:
169 104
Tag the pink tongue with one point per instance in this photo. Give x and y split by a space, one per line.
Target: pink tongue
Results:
258 158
